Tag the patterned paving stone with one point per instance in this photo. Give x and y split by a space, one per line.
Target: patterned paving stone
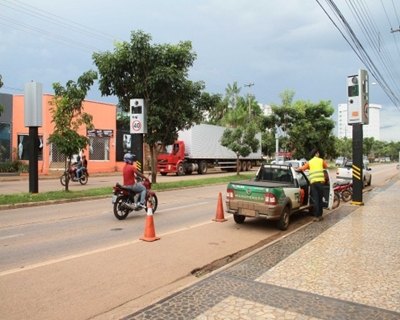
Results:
345 267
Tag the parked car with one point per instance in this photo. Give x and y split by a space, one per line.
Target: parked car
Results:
346 172
295 163
340 161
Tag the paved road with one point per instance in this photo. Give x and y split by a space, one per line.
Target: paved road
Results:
76 259
100 267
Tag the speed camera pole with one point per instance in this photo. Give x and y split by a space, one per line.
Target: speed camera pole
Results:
358 113
33 120
138 127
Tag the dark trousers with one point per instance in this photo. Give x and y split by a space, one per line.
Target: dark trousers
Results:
317 193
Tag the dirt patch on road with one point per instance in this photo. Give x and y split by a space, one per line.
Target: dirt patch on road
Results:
298 221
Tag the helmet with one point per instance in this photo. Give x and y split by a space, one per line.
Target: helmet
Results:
129 158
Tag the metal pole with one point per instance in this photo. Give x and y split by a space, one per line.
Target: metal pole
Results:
357 167
249 85
33 160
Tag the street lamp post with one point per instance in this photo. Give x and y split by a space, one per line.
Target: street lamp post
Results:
249 85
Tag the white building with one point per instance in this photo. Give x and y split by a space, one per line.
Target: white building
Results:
266 109
371 130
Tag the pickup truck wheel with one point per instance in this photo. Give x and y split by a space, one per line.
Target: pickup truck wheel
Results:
369 181
239 219
336 200
283 222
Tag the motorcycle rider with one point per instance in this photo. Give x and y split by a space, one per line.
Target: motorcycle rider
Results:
81 167
76 167
129 173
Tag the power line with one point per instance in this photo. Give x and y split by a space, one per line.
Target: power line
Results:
57 20
361 13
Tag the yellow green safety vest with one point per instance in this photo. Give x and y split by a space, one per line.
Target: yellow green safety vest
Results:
316 173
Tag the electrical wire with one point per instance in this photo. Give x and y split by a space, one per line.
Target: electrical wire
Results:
385 74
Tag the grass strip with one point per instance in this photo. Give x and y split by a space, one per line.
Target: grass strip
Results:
9 199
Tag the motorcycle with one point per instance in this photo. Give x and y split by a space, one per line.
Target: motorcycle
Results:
344 190
71 174
124 199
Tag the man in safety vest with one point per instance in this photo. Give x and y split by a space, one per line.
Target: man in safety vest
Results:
316 176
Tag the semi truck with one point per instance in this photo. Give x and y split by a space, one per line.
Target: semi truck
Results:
199 148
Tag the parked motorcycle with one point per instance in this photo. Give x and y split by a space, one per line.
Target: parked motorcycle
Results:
124 199
71 173
344 189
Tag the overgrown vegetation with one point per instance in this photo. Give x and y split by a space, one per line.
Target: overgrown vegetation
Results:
13 167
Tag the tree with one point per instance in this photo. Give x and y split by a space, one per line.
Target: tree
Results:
344 147
216 106
306 125
240 137
232 92
159 74
68 117
368 144
242 141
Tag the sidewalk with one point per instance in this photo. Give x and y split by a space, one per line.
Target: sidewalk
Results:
344 267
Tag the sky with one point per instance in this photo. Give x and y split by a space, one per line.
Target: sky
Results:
273 44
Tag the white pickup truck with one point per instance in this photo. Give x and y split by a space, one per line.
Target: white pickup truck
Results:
346 173
275 193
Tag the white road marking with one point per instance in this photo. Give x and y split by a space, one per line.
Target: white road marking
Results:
83 254
12 236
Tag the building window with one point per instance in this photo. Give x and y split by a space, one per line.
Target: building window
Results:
99 148
23 147
5 145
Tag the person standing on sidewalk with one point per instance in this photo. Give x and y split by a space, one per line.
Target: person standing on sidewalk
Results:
316 167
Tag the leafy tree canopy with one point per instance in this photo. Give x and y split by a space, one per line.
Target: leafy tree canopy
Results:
306 125
158 73
68 115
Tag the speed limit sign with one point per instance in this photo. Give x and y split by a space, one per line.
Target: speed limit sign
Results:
136 126
138 116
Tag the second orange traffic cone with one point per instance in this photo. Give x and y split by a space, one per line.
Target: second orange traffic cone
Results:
219 216
149 230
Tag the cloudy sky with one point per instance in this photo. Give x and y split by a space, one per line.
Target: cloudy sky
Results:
274 44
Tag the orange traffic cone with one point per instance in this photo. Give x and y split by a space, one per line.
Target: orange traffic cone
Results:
219 216
149 231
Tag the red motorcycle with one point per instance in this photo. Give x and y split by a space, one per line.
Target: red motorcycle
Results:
71 174
344 189
124 199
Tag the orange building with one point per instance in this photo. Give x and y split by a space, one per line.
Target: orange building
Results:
100 153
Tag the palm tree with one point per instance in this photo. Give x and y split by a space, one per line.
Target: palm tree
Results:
231 94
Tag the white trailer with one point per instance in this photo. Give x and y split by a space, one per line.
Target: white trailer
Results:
199 148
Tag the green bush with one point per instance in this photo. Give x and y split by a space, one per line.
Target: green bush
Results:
13 166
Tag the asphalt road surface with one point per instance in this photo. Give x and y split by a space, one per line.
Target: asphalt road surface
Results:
77 261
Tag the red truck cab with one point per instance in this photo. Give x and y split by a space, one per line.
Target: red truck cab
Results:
172 162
